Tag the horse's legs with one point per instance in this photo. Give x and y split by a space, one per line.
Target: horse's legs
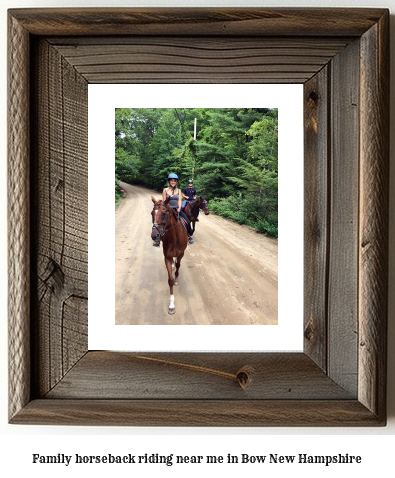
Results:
193 226
178 264
168 263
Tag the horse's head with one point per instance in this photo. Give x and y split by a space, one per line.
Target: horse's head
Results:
204 205
160 216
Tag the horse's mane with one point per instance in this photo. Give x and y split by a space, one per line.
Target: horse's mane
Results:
175 215
193 204
162 203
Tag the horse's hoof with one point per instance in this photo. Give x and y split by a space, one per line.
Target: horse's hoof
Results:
172 311
176 282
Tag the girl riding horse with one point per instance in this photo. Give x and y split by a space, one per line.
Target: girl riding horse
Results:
174 194
166 225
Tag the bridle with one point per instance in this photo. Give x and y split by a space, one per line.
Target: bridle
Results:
204 208
156 224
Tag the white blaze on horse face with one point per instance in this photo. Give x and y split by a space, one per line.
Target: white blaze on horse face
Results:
157 219
157 216
171 306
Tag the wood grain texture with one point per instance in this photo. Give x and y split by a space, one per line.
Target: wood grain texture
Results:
202 413
18 212
316 214
373 235
343 248
259 22
61 206
214 60
335 381
196 376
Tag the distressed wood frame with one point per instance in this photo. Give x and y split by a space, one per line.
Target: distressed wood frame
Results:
342 58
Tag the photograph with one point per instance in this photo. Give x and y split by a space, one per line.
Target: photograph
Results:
196 220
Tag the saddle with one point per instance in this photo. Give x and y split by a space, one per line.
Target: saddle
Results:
187 205
184 223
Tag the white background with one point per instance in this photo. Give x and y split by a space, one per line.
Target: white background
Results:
19 442
103 333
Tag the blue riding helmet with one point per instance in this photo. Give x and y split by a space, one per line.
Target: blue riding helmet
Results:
172 176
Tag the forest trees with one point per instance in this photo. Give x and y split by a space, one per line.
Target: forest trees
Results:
233 161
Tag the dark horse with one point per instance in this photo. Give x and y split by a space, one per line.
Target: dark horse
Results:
167 227
192 208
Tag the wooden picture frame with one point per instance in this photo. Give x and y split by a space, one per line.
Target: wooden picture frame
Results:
342 58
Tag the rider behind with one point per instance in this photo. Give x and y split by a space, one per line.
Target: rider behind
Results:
189 194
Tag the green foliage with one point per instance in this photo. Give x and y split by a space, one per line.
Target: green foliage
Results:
267 228
243 210
233 159
118 191
126 166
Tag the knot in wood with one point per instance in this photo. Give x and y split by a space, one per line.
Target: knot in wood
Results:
309 331
54 277
244 376
313 96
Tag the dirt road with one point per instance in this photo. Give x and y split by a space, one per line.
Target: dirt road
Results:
228 277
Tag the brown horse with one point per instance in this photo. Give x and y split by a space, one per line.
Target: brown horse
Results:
167 227
192 208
